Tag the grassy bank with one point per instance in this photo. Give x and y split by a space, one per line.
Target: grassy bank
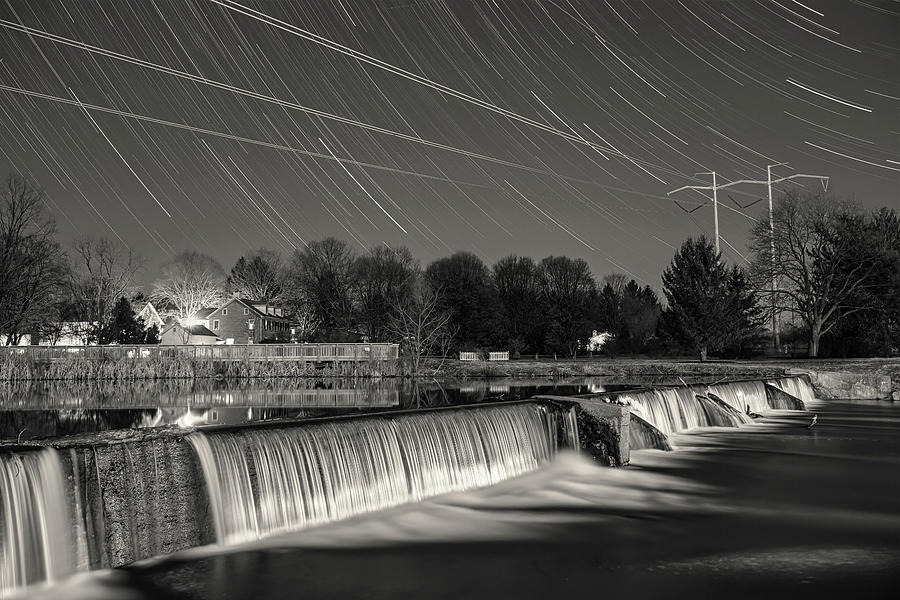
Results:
19 368
622 368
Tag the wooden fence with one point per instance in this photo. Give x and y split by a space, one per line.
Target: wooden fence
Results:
221 353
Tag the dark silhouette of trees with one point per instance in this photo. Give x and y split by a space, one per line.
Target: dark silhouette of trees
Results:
100 272
123 326
380 277
710 306
31 262
569 294
191 281
515 280
320 283
259 276
874 329
823 261
630 313
464 281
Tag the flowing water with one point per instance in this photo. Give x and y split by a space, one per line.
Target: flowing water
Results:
278 494
36 542
264 481
771 511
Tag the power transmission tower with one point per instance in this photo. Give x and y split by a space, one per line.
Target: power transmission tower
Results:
768 182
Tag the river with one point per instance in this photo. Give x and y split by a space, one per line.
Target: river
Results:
772 509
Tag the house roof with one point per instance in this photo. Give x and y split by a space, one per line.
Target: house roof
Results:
192 330
203 313
200 330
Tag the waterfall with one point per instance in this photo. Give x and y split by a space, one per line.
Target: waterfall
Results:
671 410
642 434
741 394
797 386
721 414
36 538
263 481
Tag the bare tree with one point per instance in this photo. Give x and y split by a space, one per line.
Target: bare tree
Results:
259 276
305 323
421 325
191 281
30 260
101 271
820 264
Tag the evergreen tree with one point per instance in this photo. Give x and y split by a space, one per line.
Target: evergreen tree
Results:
710 306
124 327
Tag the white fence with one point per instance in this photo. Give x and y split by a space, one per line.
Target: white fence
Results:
474 356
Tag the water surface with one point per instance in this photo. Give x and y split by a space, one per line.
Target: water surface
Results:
768 510
50 409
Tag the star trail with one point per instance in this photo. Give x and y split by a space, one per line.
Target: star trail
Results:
528 127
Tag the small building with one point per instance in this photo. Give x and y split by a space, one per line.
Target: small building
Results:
149 317
247 322
177 334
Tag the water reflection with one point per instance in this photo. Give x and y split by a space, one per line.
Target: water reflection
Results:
35 410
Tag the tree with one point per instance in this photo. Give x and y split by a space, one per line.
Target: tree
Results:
123 326
421 325
259 276
464 281
320 280
875 328
629 312
710 306
191 281
100 271
380 276
515 282
31 267
569 295
822 261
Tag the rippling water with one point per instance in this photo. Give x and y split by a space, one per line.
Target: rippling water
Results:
772 509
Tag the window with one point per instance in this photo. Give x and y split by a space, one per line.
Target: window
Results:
215 324
246 311
224 311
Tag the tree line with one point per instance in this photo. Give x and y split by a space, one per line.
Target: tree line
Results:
833 280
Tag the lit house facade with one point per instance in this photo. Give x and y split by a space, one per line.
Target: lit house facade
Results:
241 321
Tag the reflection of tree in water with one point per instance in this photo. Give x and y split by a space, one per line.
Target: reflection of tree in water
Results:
37 424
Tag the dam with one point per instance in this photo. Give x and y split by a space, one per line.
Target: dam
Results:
95 501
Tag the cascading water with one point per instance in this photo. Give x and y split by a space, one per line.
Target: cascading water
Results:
799 387
36 542
264 481
642 434
741 394
679 409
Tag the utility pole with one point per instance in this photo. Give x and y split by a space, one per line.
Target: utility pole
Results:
768 182
715 189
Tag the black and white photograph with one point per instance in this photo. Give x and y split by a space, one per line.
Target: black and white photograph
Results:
449 299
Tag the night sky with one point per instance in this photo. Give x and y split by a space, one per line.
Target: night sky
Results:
535 128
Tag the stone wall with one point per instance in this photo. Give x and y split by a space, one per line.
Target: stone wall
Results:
846 385
602 427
